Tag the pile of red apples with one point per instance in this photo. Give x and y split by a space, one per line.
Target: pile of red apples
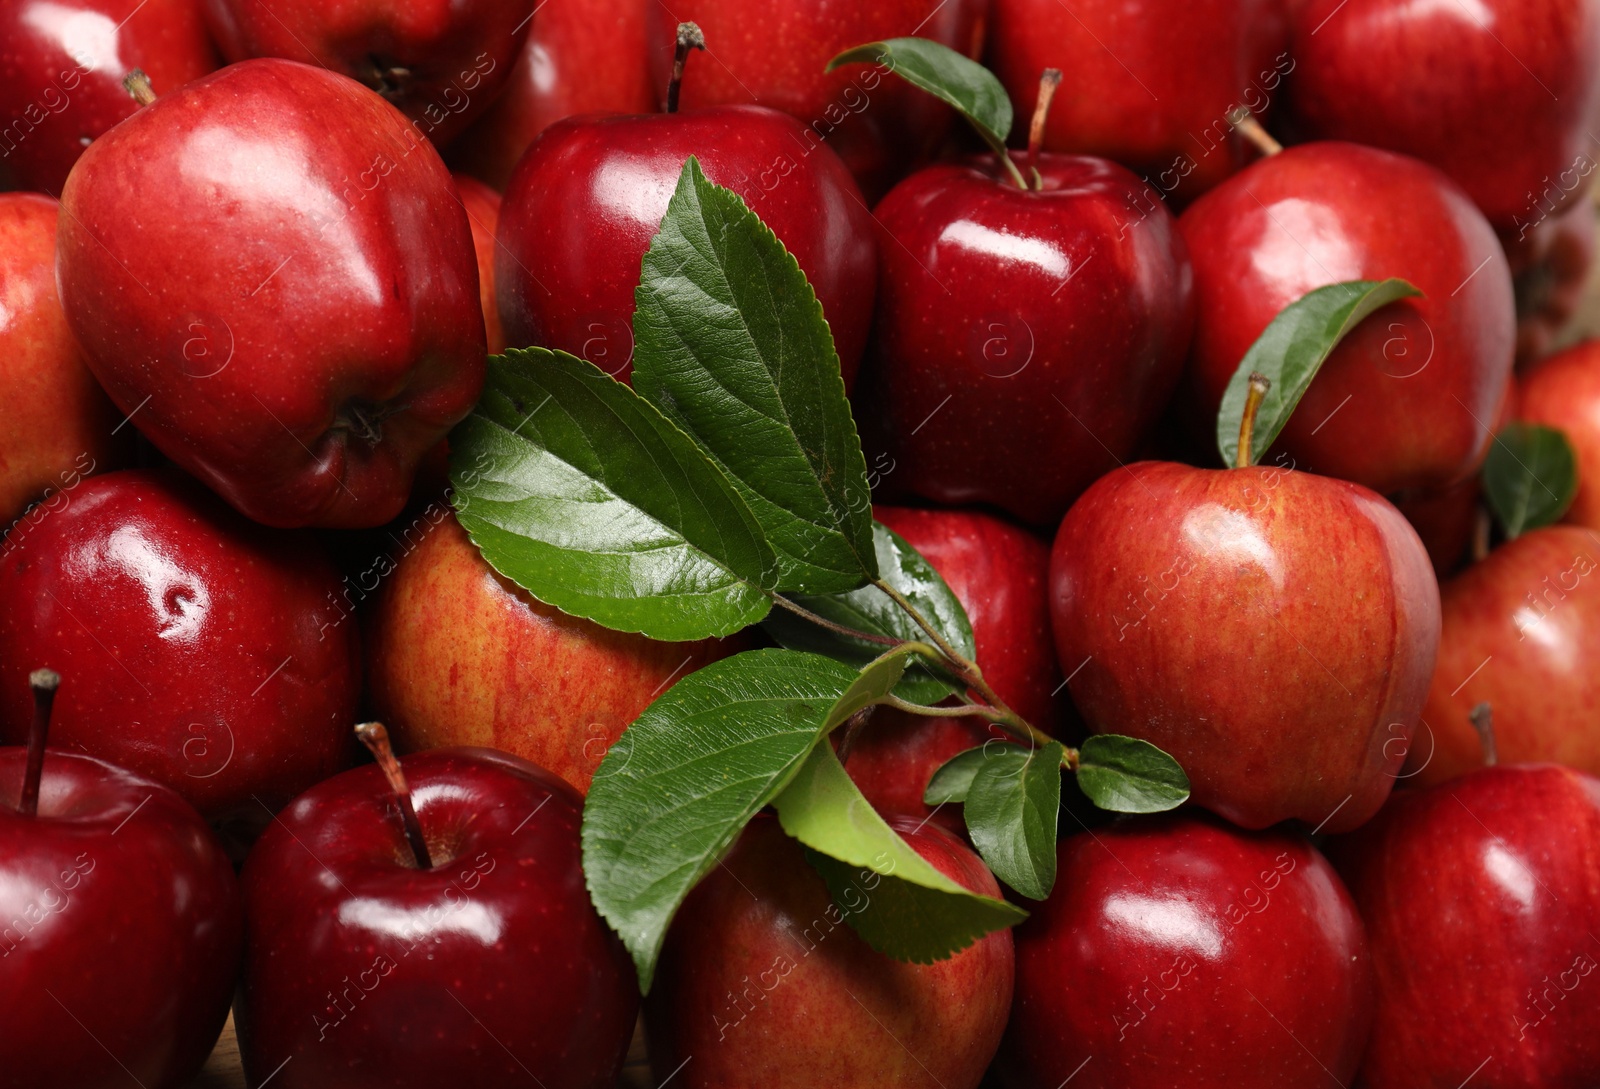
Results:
253 257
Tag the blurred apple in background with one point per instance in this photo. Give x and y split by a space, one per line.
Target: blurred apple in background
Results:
1563 391
1550 270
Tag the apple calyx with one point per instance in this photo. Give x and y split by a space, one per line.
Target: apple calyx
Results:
1245 124
690 37
44 683
1482 719
391 80
1049 83
376 738
137 84
1259 384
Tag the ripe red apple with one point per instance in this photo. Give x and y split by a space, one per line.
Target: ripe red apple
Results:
579 58
272 274
1564 392
1501 95
1272 630
588 197
482 206
775 53
1550 269
486 968
1521 632
1179 951
63 63
56 422
1482 908
199 650
1025 339
459 655
762 981
440 62
1407 399
120 927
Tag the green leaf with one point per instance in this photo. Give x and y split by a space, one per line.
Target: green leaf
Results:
915 912
731 345
1530 477
1126 775
1289 353
971 88
1012 807
870 610
953 778
582 493
686 777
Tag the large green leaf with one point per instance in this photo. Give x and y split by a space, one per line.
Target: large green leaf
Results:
1530 477
731 345
581 492
1012 807
971 88
1289 353
1127 775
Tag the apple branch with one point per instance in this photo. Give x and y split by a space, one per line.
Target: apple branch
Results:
837 628
44 683
376 739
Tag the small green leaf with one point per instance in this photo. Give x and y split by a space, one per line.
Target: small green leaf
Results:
1530 477
1126 775
916 913
971 88
1289 353
1012 807
953 779
870 610
731 345
682 781
579 491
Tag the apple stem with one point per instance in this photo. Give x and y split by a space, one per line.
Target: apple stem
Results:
1048 83
1482 719
1259 384
1245 124
837 629
689 37
44 683
376 739
852 729
137 84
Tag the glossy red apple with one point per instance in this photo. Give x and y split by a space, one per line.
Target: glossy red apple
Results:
1482 903
1502 95
198 650
482 206
1564 392
56 423
1025 339
1406 400
588 197
762 981
120 926
272 274
485 968
63 63
1272 630
1179 951
581 56
441 62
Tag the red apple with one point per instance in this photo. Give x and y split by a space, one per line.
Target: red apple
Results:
1482 905
63 63
295 320
482 206
1025 339
1564 392
1550 269
198 650
56 424
441 62
485 968
762 981
1179 951
1407 399
1272 630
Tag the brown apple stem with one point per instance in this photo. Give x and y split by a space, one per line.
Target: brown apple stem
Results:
1049 82
44 683
837 629
1245 124
1482 719
852 729
376 739
689 37
1482 526
137 84
1259 384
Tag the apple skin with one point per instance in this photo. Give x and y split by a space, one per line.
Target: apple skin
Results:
1423 376
1025 340
588 197
440 62
459 655
1481 900
482 206
56 422
64 62
515 975
1272 630
1550 270
195 648
1501 98
1179 951
1563 391
579 58
762 982
1521 631
290 334
136 932
774 53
